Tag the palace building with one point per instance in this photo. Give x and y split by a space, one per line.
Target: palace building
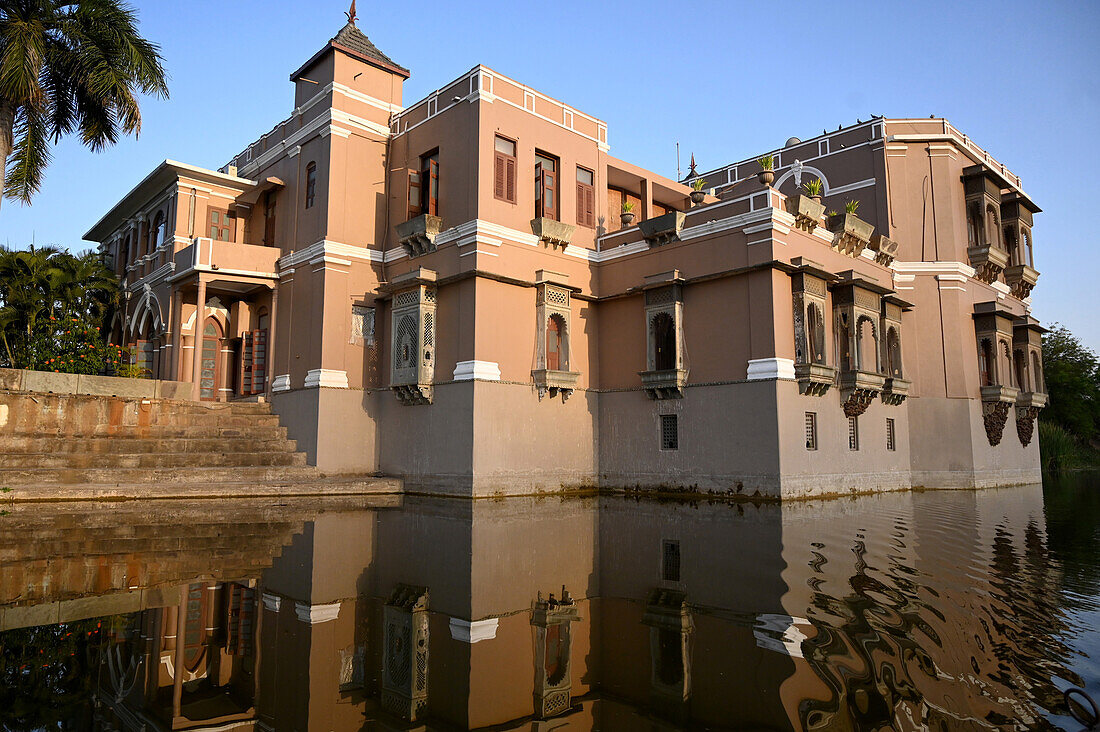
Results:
469 292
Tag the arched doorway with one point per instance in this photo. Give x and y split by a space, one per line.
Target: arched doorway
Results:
210 376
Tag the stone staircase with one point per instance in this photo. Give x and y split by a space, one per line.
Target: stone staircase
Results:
85 447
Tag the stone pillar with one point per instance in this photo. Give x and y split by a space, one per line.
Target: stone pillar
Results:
176 335
196 351
271 341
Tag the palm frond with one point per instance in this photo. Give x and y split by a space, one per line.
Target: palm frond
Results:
29 156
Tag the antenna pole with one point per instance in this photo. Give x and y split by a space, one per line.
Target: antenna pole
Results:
678 162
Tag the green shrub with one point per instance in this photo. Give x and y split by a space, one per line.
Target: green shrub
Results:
1058 447
73 346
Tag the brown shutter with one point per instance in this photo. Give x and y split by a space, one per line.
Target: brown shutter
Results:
499 163
259 360
540 192
246 364
510 179
414 194
431 187
550 194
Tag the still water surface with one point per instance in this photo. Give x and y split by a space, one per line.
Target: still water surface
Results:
935 610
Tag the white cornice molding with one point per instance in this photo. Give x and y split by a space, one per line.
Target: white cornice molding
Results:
477 371
314 614
933 268
281 383
474 632
770 368
272 602
330 378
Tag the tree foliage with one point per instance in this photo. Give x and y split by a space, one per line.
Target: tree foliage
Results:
53 306
1072 374
68 66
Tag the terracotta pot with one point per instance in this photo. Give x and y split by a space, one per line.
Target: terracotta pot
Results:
697 197
627 217
815 199
766 177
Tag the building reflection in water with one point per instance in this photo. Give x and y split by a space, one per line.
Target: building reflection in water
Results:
908 611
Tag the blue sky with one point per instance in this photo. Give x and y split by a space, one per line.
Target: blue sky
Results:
725 79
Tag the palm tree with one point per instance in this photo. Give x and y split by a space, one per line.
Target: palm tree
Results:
68 66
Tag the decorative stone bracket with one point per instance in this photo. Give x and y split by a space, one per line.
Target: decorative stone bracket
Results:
1021 278
885 249
894 391
995 403
806 211
549 380
988 262
851 233
662 229
417 235
664 384
814 379
551 232
413 394
858 389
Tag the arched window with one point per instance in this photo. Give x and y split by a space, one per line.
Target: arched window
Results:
993 226
845 336
1029 260
867 346
1037 373
269 219
1004 365
1019 361
664 342
1013 246
158 230
815 333
556 356
893 353
124 258
973 226
557 650
985 362
311 184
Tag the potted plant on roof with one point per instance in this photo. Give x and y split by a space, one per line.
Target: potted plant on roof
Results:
806 209
697 193
627 214
813 189
766 176
852 232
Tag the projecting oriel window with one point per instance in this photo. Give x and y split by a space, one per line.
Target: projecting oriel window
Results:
891 435
811 430
853 433
670 432
670 560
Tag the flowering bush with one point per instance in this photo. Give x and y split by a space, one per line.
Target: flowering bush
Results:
73 346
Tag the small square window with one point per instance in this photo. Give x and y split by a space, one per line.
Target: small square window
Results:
853 433
891 435
670 432
670 561
811 430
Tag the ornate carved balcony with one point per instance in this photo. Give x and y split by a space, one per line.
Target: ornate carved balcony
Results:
664 384
806 211
1021 278
549 380
885 249
995 403
858 389
852 234
417 235
895 390
662 229
413 394
551 232
988 261
814 379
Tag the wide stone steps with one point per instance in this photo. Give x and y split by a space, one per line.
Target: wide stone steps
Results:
306 484
112 475
24 444
156 460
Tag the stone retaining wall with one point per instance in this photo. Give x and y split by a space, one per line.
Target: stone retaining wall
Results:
54 383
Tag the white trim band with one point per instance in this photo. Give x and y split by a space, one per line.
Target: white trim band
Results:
472 632
326 377
477 371
314 614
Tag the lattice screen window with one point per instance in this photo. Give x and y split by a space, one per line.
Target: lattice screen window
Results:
362 325
670 432
853 433
811 430
670 561
891 435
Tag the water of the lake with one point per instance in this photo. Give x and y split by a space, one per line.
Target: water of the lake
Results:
943 610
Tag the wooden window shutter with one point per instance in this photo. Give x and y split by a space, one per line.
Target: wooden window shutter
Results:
246 364
540 192
259 360
510 180
550 194
586 204
414 194
499 162
431 187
